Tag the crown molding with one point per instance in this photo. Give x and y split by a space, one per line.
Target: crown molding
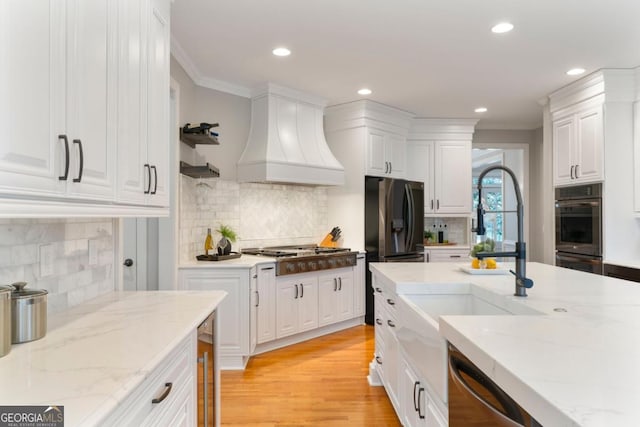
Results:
192 71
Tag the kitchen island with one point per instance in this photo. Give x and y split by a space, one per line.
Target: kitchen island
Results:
96 356
575 364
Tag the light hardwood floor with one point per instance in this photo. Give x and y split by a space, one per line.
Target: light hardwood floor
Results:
322 382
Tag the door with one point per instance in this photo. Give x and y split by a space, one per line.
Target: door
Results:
402 217
327 295
590 144
253 311
308 305
344 305
396 155
134 254
32 105
563 146
453 177
91 96
287 294
266 303
376 156
158 104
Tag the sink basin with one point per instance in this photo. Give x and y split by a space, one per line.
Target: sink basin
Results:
419 333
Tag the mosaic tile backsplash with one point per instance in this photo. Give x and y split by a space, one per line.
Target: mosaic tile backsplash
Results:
261 214
73 278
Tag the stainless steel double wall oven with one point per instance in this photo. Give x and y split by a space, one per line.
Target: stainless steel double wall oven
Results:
579 227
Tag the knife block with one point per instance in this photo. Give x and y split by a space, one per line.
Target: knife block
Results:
327 242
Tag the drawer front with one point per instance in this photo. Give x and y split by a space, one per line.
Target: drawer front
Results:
177 369
449 256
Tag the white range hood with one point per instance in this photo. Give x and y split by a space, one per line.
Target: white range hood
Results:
286 141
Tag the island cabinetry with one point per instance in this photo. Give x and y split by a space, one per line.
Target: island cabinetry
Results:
418 407
296 305
386 359
439 155
335 296
234 312
167 396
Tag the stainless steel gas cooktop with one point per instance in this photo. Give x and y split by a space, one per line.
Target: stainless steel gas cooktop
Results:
305 258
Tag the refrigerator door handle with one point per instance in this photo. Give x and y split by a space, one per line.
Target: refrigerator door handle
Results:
408 240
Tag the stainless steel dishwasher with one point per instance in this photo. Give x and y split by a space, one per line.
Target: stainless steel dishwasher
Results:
476 401
208 375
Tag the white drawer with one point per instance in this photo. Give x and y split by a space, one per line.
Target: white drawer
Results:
177 368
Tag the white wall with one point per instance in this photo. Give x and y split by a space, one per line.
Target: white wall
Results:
74 279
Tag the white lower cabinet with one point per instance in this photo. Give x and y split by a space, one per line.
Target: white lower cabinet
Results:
335 296
411 396
171 385
296 305
359 286
446 255
266 303
233 312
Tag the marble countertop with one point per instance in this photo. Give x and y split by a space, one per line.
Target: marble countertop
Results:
576 365
97 353
245 261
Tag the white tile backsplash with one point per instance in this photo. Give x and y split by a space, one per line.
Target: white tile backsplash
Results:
261 214
73 280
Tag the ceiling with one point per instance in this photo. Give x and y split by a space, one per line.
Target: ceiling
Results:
434 58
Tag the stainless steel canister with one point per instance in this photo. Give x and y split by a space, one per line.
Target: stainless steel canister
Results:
28 313
5 320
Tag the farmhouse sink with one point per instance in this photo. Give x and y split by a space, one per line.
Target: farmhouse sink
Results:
419 335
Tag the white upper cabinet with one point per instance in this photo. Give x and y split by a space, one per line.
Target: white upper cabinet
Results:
439 154
578 145
386 153
32 105
143 140
68 83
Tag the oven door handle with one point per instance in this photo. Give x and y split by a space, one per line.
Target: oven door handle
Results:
586 258
575 203
511 417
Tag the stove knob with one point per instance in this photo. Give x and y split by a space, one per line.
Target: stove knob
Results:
342 262
332 263
322 264
313 265
302 266
291 268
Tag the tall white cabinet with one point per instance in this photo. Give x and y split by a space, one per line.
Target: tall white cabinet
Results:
439 154
73 79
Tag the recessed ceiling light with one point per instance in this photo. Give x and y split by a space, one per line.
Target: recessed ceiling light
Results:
281 51
503 27
364 91
481 110
575 71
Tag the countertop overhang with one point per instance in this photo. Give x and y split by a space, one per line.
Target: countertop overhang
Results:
97 353
577 365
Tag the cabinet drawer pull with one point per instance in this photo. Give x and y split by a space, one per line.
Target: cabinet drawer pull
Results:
420 414
572 166
390 167
379 322
390 323
164 395
66 158
438 204
257 299
432 204
81 168
454 256
379 360
415 401
577 172
155 179
148 168
390 301
266 268
378 290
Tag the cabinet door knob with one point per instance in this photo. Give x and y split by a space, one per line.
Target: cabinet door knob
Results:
128 262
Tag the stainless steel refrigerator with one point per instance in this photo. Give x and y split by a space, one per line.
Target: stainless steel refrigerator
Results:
394 225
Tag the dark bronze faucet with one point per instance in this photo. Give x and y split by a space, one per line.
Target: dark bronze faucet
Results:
520 254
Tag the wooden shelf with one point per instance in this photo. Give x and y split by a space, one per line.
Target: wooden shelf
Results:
206 171
191 139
